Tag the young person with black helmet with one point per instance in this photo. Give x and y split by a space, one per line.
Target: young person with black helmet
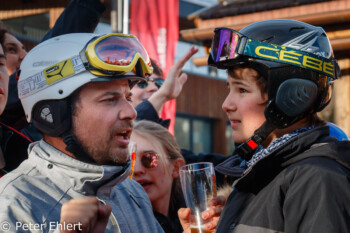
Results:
78 95
296 177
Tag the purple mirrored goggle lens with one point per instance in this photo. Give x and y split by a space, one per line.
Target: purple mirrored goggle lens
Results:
224 45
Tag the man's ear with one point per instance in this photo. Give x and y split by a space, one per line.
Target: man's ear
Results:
177 164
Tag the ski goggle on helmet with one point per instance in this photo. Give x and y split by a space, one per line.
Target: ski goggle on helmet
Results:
116 54
109 56
229 45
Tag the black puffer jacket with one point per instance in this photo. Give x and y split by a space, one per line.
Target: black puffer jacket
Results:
303 187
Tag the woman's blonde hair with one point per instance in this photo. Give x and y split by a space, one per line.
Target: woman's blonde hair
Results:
169 144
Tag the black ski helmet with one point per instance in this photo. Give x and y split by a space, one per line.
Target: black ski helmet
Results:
297 35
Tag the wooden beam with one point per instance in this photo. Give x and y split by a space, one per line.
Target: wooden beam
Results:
9 14
19 8
344 64
54 14
340 44
200 61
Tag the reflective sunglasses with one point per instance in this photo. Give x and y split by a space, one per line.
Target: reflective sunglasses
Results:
157 81
150 160
229 46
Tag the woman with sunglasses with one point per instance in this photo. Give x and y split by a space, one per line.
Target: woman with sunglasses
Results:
158 159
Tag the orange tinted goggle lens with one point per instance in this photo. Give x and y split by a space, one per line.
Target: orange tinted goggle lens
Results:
116 50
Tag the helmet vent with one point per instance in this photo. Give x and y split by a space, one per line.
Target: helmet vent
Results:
296 28
267 40
46 115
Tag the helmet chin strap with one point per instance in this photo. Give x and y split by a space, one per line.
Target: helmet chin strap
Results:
76 149
247 149
294 100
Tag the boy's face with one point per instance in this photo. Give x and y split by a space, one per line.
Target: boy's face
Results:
4 80
245 104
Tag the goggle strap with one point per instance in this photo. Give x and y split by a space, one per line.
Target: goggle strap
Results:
83 58
62 70
271 52
242 45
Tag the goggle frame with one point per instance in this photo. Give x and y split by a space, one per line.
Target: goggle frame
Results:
96 66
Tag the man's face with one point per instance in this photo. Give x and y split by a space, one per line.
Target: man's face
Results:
103 121
4 80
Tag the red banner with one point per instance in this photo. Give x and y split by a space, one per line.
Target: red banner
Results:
156 24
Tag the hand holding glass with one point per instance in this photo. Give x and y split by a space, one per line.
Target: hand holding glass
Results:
199 187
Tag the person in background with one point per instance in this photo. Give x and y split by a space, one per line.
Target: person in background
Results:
158 160
15 50
86 119
144 90
149 98
13 145
295 174
4 77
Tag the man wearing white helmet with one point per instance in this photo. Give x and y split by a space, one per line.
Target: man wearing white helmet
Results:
75 89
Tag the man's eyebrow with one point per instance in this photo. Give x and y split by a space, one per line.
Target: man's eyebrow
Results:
111 93
2 56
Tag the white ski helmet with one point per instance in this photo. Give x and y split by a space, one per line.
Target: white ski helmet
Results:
55 68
